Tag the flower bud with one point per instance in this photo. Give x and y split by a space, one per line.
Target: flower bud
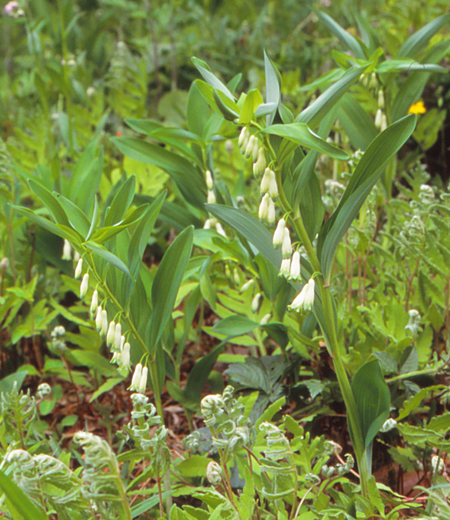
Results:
260 164
279 233
110 335
211 197
243 138
136 379
4 264
67 250
209 180
286 246
264 207
84 285
143 381
294 273
378 118
255 302
273 186
98 319
94 303
104 323
220 230
125 356
265 181
78 269
265 319
117 336
380 99
247 285
383 123
285 268
305 299
252 142
271 212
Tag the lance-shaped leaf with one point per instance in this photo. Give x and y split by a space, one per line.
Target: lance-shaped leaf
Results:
372 399
121 202
235 325
301 134
50 201
345 37
361 182
323 104
356 122
166 284
209 77
186 175
108 257
419 40
273 91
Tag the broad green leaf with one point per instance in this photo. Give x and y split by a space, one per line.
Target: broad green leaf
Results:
197 111
251 374
121 202
412 88
405 64
419 40
250 228
21 506
199 374
209 77
251 103
361 182
76 217
372 399
313 114
345 37
108 257
166 284
105 233
301 134
61 231
356 122
235 325
142 233
187 177
8 382
265 108
50 201
273 92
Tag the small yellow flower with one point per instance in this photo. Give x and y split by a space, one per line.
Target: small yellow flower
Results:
417 108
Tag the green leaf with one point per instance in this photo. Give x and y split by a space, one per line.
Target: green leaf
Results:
197 111
235 326
419 40
372 399
251 374
187 177
407 65
345 37
301 134
50 201
313 114
251 103
21 507
108 257
166 284
361 182
121 202
142 233
76 217
8 382
273 92
356 122
412 88
199 375
250 228
61 231
209 77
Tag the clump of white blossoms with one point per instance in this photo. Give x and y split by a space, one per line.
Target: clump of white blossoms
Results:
212 223
139 380
305 299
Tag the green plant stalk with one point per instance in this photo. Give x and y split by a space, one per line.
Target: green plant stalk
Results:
152 366
331 340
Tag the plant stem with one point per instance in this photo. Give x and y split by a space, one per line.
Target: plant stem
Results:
329 332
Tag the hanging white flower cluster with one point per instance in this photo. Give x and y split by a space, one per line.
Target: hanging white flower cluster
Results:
305 299
212 223
290 265
118 345
250 147
139 380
